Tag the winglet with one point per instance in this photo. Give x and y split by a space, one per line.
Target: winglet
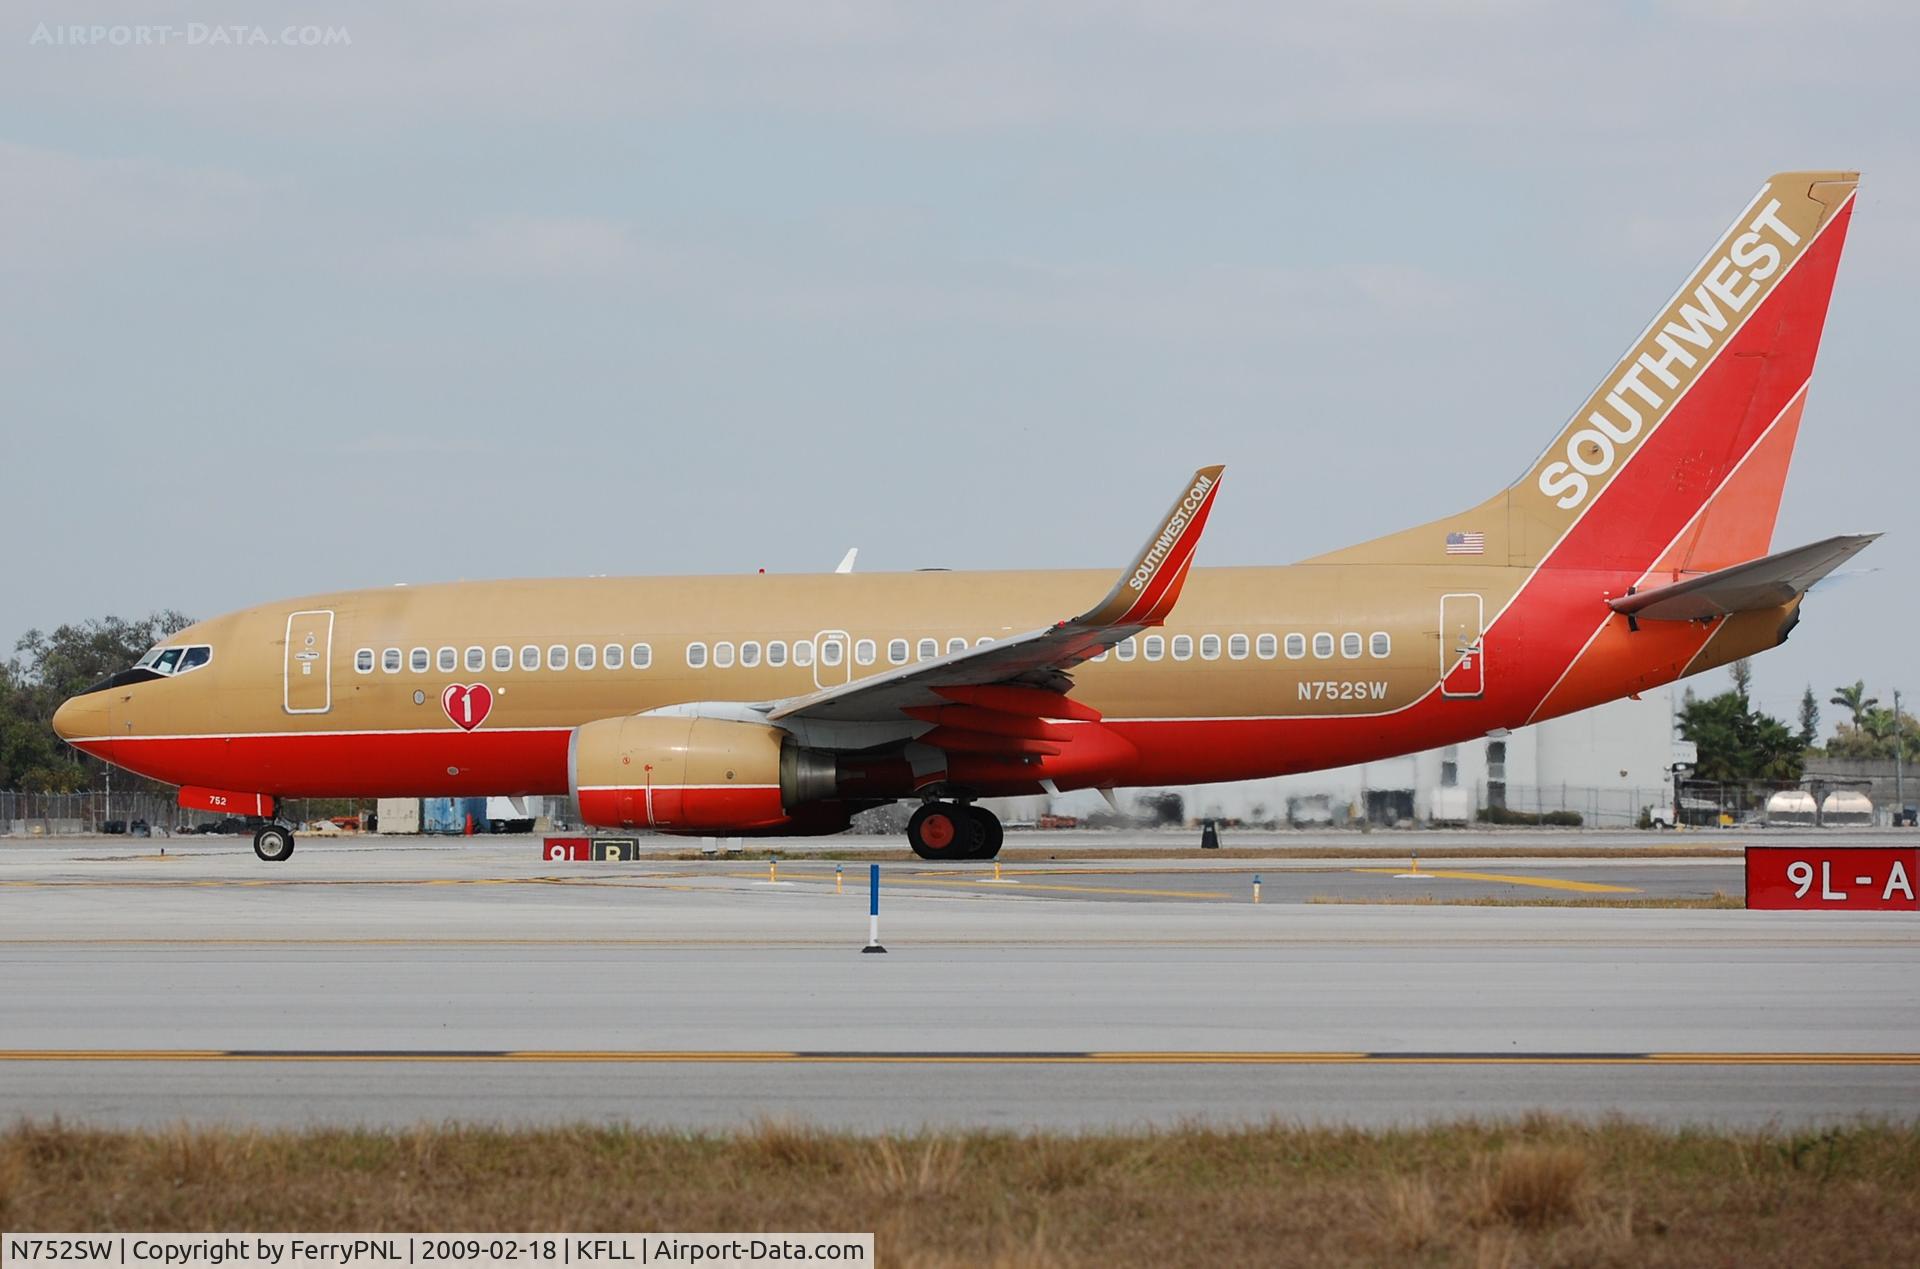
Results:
846 561
1146 592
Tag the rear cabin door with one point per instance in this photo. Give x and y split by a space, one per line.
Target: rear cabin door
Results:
309 665
1463 662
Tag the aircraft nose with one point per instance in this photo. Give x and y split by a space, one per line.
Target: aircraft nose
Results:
81 716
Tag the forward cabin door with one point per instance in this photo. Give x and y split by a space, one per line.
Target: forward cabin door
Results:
1463 662
308 675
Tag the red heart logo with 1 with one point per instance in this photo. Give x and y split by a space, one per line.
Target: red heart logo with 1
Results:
467 704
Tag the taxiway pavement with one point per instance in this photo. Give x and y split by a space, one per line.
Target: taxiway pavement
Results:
363 983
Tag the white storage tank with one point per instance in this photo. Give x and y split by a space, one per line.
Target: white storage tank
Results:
1792 807
1844 806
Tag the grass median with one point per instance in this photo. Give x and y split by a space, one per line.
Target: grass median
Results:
1535 1191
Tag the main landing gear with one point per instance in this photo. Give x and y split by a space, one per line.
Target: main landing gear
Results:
954 830
273 843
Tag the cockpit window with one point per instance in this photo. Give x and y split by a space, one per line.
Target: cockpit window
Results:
175 660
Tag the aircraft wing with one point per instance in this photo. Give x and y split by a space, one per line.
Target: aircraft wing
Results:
1767 582
1022 667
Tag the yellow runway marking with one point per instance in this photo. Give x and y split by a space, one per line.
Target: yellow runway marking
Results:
1543 883
1092 1058
921 879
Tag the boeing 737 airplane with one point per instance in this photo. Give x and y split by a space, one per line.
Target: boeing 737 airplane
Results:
1633 552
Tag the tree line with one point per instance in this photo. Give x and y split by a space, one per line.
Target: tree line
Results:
45 670
1738 742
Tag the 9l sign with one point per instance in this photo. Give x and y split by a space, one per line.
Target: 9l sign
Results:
1842 878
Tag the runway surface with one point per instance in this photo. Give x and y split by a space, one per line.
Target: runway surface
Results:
387 984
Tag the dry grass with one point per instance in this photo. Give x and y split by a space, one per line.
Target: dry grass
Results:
1532 1186
1533 1192
1718 899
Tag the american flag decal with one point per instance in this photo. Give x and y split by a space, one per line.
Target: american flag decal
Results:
1466 543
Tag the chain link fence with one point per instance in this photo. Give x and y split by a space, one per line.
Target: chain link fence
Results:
57 814
141 814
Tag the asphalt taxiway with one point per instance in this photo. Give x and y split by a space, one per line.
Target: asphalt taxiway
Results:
367 982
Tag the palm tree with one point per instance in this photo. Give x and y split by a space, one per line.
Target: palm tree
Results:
1855 700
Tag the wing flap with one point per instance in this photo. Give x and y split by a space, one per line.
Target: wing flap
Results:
1758 584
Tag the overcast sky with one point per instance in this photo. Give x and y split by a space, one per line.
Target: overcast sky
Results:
491 291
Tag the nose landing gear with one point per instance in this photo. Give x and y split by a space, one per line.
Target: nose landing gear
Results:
273 843
954 830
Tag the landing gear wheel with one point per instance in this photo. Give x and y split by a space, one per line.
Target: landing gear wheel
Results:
991 834
273 843
944 830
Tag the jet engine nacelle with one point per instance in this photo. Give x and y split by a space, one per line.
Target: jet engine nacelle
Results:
684 775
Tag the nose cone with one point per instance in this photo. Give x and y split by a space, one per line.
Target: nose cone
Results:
81 718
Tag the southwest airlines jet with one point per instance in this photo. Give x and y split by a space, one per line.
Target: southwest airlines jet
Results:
1635 551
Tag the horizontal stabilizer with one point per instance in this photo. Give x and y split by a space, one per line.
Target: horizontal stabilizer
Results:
1767 582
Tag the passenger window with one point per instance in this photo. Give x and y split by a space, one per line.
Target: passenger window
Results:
557 656
1182 647
956 645
929 649
476 658
749 654
1153 647
390 661
831 651
1296 646
1382 644
418 660
1323 645
1350 644
583 656
802 652
723 654
1265 646
530 657
776 652
503 658
613 656
196 656
1237 647
1124 649
865 652
449 660
696 655
642 656
1101 655
363 661
1210 647
897 651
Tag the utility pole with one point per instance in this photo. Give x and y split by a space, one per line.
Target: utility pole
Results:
1899 745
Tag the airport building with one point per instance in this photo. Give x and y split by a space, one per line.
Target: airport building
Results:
1608 765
